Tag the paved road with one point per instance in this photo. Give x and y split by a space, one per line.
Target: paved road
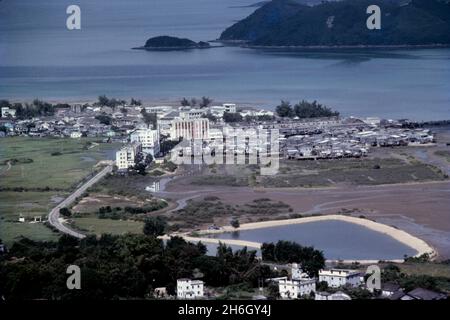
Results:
53 217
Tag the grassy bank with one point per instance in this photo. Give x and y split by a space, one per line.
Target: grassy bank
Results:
36 173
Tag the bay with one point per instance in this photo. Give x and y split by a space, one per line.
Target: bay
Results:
40 58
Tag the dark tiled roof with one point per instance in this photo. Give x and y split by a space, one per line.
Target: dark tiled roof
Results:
424 294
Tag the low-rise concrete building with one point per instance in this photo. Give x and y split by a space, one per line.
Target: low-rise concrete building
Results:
293 289
340 277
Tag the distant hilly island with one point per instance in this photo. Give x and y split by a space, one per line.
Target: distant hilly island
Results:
280 23
173 43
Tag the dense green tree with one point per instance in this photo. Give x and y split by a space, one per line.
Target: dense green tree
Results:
235 223
150 118
185 102
155 226
311 260
135 102
305 109
285 110
65 212
230 117
205 102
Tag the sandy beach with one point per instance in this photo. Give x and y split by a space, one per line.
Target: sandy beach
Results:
405 238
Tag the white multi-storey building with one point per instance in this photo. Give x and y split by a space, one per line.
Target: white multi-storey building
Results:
339 277
189 289
189 129
293 289
148 138
126 156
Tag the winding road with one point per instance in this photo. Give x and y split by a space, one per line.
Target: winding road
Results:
53 217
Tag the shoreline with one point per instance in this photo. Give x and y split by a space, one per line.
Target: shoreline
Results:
245 44
401 236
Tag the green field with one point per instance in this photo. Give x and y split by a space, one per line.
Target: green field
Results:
71 161
93 225
36 180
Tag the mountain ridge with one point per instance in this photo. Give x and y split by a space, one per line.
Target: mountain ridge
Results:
343 23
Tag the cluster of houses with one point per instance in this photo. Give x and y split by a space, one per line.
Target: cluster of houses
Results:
348 137
298 285
326 138
301 285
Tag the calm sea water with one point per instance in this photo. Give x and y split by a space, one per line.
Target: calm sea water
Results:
40 58
337 239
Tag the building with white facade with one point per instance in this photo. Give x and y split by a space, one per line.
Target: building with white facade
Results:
159 110
8 112
293 289
126 156
189 129
218 111
192 113
148 138
189 289
339 277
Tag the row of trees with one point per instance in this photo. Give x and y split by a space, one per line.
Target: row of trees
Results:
37 108
113 267
127 266
304 109
312 260
203 102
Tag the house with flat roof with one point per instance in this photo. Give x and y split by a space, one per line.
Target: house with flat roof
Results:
340 277
293 289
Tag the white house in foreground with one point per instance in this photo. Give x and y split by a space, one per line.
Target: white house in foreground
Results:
293 289
189 289
340 277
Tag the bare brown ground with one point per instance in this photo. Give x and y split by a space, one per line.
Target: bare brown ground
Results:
423 209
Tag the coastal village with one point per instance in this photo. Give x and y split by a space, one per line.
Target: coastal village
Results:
144 131
302 139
